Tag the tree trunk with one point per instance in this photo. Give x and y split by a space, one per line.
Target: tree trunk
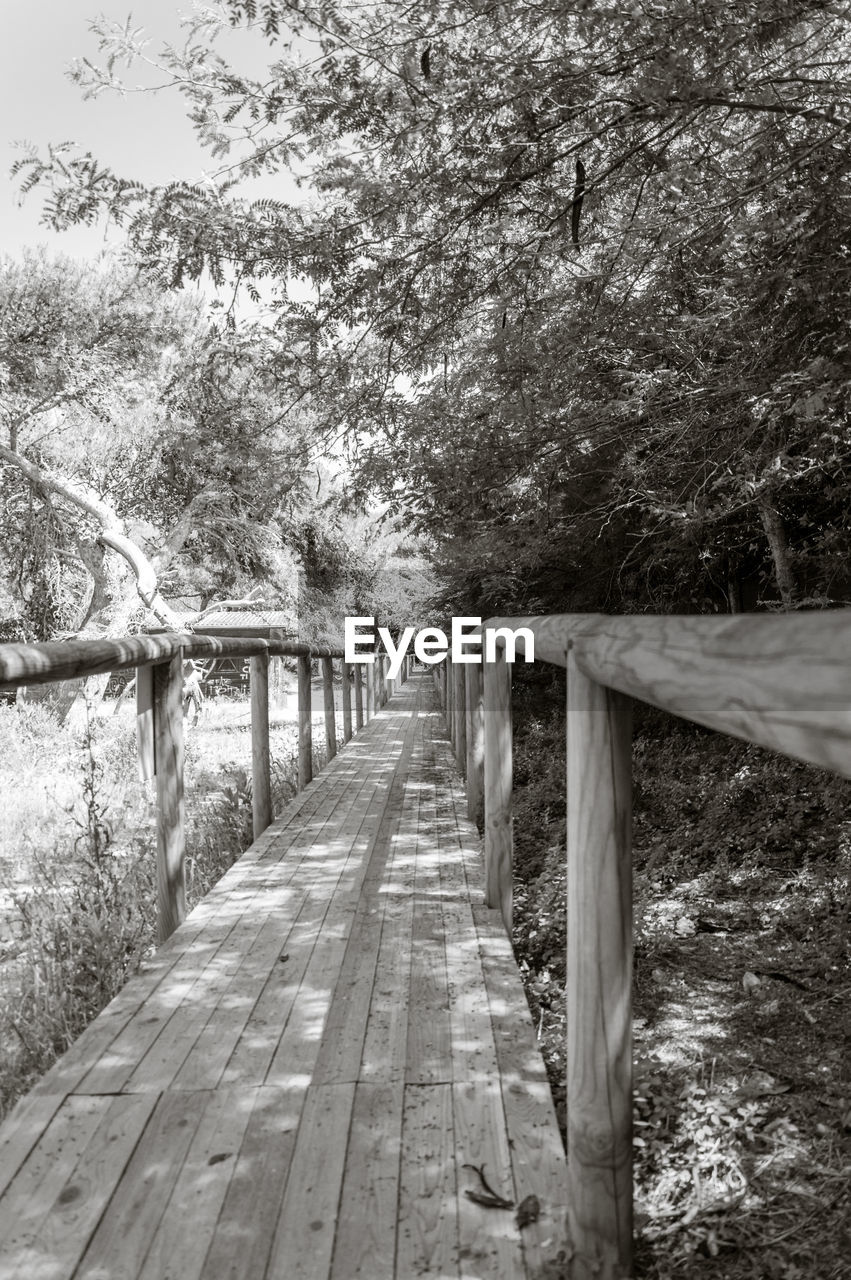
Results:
775 533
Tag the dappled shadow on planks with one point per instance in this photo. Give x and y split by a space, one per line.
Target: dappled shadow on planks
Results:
306 1068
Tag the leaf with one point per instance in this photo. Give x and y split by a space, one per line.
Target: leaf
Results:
528 1211
489 1201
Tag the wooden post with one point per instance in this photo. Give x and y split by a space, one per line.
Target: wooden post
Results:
449 685
475 743
171 816
599 992
382 681
370 691
347 700
328 702
145 723
358 696
459 695
261 781
499 835
305 725
379 681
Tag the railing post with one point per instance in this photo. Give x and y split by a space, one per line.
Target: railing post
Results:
346 672
499 835
449 690
305 725
475 742
145 723
358 696
261 781
599 990
370 691
458 669
328 703
171 817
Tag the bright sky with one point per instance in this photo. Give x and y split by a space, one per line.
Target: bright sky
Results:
144 136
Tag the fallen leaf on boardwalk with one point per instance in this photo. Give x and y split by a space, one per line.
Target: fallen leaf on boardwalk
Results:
528 1211
489 1202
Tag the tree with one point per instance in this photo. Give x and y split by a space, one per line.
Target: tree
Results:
134 427
578 273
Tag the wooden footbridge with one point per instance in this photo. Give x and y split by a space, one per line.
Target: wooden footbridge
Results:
328 1070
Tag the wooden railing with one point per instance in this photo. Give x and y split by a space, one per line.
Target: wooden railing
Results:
159 664
782 681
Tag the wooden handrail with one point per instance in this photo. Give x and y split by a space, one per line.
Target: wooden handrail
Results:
158 660
781 681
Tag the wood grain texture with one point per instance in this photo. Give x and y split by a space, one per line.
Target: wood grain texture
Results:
599 961
304 1240
427 1240
346 672
171 814
370 692
780 680
358 696
499 835
460 699
475 771
261 778
365 1242
147 765
305 723
330 713
242 1109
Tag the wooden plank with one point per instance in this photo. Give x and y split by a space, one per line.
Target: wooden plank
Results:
156 1067
22 1130
489 1238
599 961
365 1242
514 1039
124 1234
109 1071
200 1189
205 1064
429 1047
471 1033
427 1235
261 781
305 722
145 751
245 1230
499 837
51 1249
539 1168
304 1239
42 1177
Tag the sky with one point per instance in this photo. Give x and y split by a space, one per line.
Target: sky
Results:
141 135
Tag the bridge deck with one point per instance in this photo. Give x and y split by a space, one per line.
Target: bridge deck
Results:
296 1085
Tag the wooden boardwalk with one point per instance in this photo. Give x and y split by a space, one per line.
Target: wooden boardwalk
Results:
296 1085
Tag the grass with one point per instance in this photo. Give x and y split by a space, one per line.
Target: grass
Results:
78 856
742 985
